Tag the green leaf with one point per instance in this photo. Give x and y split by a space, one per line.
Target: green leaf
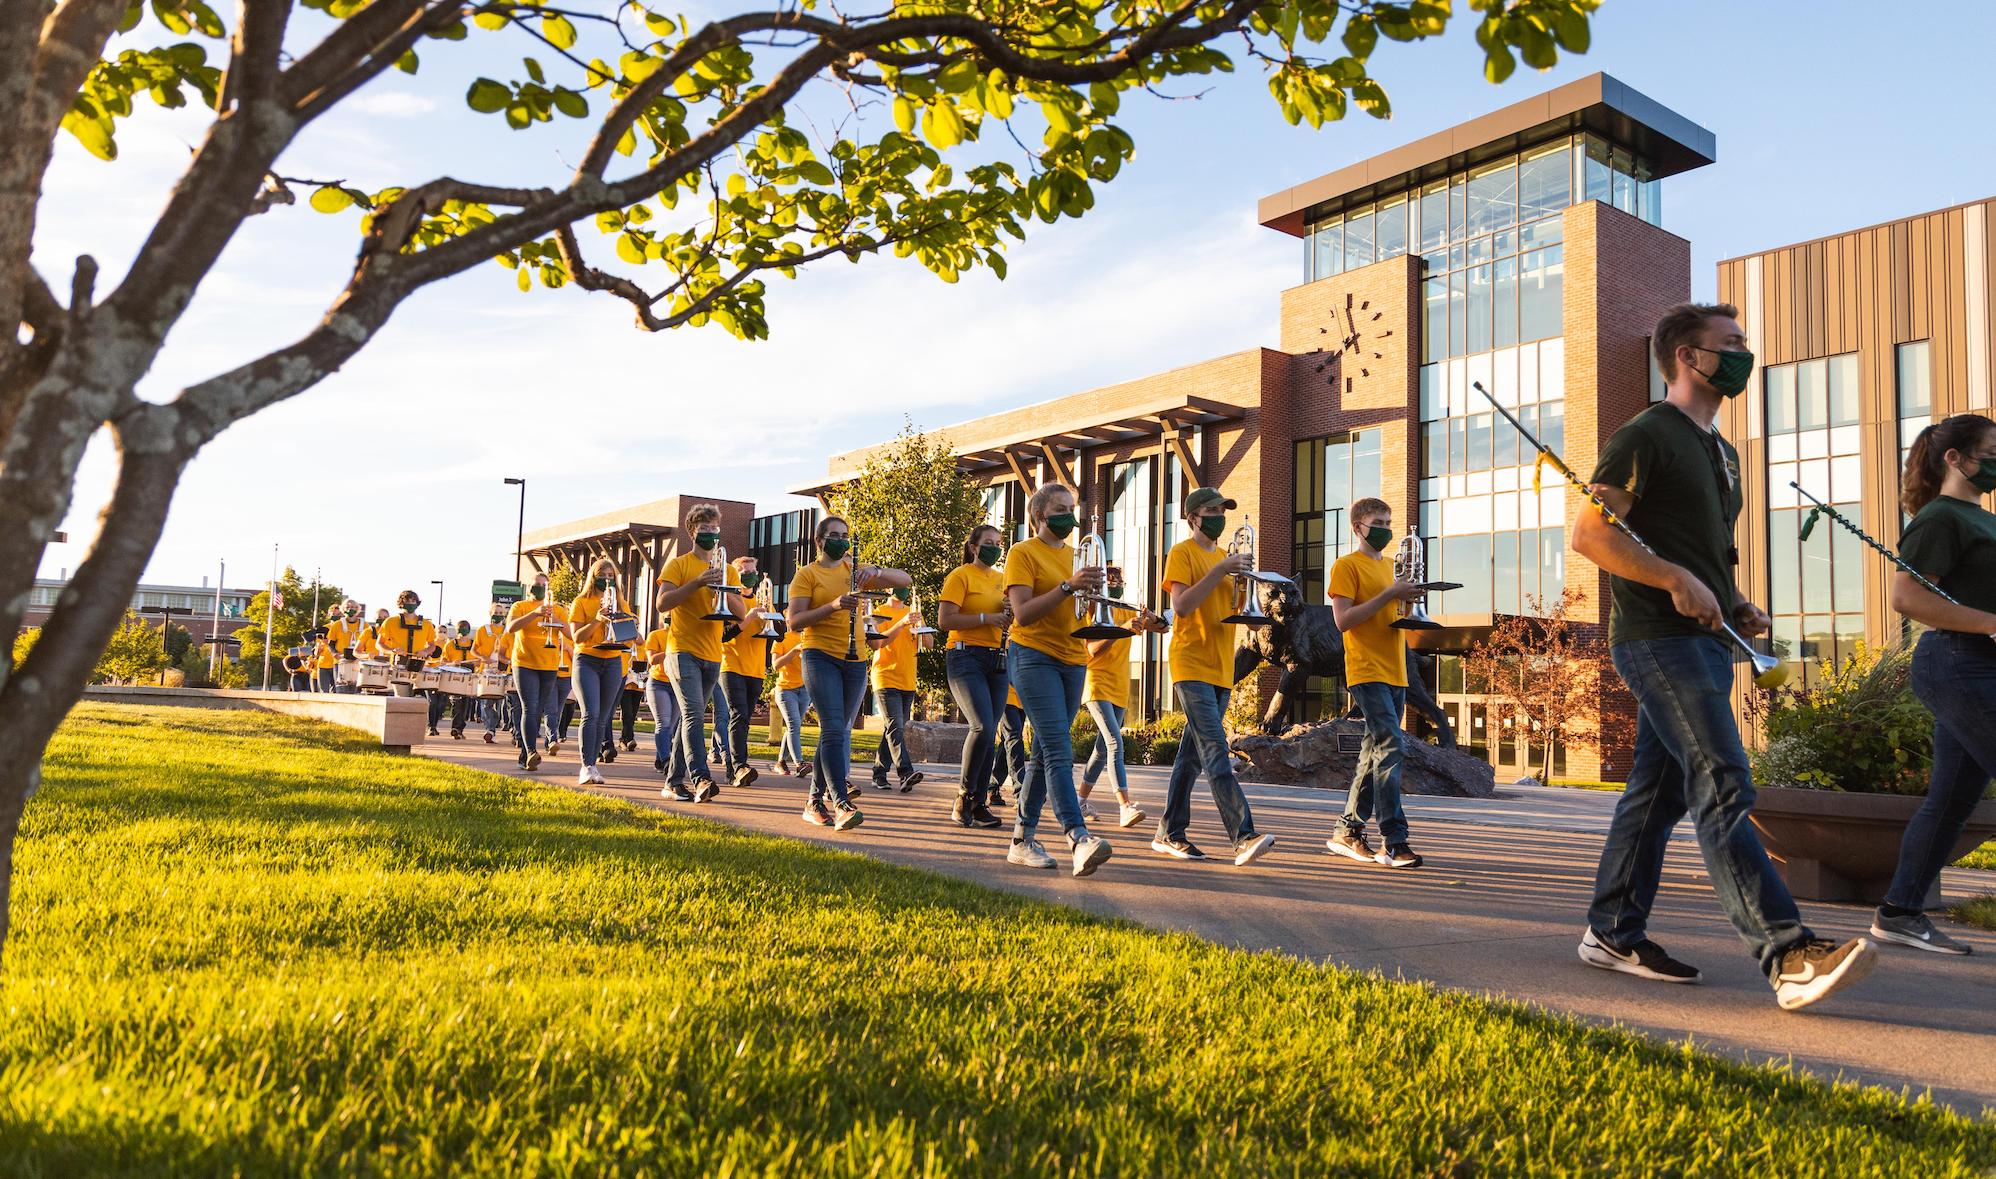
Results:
558 30
816 173
1361 34
1498 63
904 114
569 103
92 132
331 198
487 97
1573 32
408 62
942 126
659 25
134 13
1371 99
1538 49
1103 98
631 249
490 19
535 71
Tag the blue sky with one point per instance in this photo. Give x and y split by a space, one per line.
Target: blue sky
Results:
1829 116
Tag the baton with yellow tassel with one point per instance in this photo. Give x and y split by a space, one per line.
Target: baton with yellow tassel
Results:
1823 509
1768 671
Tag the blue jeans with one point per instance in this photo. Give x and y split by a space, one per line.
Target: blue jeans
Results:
892 752
600 682
794 702
665 729
1954 675
564 703
1376 785
693 681
1050 690
977 681
1108 751
1204 747
837 686
1012 746
1688 757
539 704
740 692
325 679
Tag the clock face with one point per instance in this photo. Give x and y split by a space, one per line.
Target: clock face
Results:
1354 338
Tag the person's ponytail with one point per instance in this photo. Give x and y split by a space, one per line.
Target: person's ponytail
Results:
1926 459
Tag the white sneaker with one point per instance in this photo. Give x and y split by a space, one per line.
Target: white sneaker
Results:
1131 816
585 776
1248 850
1027 853
596 776
1088 810
1091 853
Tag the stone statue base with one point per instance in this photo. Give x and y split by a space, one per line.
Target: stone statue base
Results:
1308 756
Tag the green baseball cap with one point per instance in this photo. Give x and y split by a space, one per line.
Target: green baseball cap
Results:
1206 497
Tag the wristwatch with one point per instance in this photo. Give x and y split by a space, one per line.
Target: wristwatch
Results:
1067 588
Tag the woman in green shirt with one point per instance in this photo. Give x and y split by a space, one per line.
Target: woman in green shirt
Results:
1952 541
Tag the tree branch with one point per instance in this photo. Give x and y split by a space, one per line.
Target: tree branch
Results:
252 72
378 59
344 48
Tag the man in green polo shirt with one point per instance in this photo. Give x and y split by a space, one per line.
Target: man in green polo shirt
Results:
1670 474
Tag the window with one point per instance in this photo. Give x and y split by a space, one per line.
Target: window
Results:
1493 197
1658 390
1330 473
1390 228
1542 278
1815 586
1913 379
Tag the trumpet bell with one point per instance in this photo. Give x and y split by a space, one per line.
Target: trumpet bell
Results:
769 630
721 612
1102 630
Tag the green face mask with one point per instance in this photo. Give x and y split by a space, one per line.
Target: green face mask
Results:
835 547
1061 525
1115 591
751 580
1212 526
904 596
1731 375
602 583
989 553
539 591
463 629
706 540
498 618
1984 478
1378 536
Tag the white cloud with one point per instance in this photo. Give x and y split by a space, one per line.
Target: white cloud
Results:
391 104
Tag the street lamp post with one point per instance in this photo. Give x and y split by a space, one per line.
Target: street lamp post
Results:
520 536
440 604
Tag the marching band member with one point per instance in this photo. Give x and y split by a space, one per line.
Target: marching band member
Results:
972 615
1107 695
407 635
793 701
1047 665
460 647
824 601
894 688
1008 768
345 636
743 659
492 650
564 693
693 658
1675 480
297 675
326 656
627 707
599 664
1952 542
670 759
536 628
1202 649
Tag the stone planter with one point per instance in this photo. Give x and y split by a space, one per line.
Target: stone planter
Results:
936 741
1326 755
1832 846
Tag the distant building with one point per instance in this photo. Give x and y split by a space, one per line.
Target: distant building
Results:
192 607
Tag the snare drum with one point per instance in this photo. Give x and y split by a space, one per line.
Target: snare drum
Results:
346 673
491 685
372 675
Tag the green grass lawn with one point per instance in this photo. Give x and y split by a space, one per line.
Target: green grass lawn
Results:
1978 911
249 944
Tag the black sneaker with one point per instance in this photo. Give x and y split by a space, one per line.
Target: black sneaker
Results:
911 781
981 816
609 753
881 785
678 793
959 811
1917 931
658 763
1645 960
1177 849
745 775
1817 969
1399 855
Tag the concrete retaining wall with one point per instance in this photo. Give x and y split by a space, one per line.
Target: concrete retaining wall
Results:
398 722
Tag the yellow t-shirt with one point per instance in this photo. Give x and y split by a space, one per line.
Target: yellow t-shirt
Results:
817 585
790 676
1109 675
530 643
691 631
894 661
974 589
583 611
656 645
459 649
406 638
565 669
485 642
343 636
745 654
1040 567
1202 646
1375 653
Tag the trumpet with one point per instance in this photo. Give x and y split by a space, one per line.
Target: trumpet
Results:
1247 601
923 631
852 588
765 601
721 612
548 623
1410 564
1093 610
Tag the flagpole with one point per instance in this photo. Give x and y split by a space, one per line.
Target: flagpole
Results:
269 616
215 627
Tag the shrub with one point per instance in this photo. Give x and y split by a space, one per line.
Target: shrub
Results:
1163 751
1082 733
1243 715
1169 725
1858 729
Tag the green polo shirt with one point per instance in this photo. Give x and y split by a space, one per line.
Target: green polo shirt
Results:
1686 483
1953 542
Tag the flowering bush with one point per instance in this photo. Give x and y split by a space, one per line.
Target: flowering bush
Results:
1859 728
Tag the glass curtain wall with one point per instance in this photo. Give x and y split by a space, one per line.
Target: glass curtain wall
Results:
1815 586
1330 473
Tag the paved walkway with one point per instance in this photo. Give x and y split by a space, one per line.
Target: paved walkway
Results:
1497 910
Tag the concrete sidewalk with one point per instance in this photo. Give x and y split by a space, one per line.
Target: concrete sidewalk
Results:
1497 910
